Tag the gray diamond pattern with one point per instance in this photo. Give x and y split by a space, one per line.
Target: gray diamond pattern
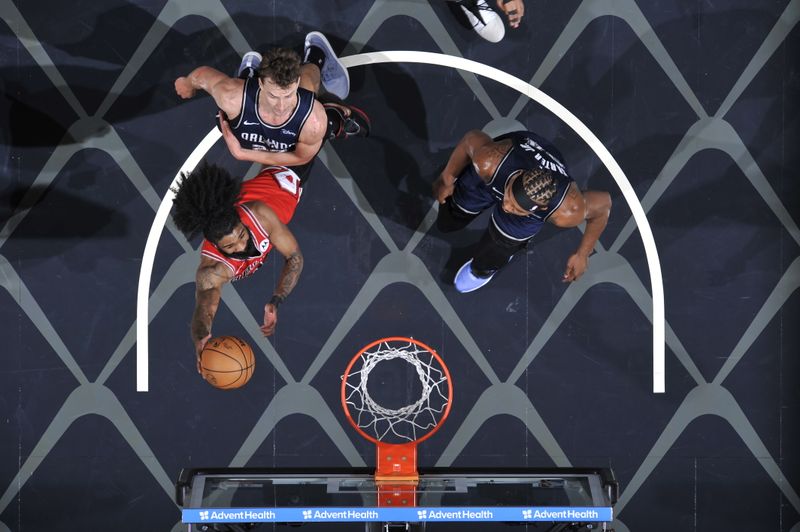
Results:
399 265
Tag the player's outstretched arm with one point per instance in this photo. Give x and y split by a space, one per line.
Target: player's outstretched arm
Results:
226 91
592 206
211 275
308 144
286 244
470 149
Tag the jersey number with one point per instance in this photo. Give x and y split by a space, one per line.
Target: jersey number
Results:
288 181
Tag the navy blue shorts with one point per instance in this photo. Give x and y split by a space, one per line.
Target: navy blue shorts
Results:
473 196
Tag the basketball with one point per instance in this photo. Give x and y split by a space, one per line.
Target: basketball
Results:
227 362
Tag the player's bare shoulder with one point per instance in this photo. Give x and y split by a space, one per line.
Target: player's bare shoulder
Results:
488 157
316 125
231 92
211 274
263 213
572 210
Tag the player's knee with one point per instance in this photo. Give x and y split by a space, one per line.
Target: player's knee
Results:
444 224
504 241
448 219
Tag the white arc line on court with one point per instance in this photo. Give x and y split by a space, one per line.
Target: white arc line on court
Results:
148 258
430 58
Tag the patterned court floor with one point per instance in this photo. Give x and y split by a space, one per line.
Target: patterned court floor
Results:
698 102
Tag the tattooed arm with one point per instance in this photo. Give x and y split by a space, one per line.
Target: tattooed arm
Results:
285 243
211 275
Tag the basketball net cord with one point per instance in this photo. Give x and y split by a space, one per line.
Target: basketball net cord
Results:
404 422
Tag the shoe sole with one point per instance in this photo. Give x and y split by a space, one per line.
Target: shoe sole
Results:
467 265
366 124
331 54
363 115
242 65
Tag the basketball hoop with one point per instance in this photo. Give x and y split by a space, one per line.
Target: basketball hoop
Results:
396 430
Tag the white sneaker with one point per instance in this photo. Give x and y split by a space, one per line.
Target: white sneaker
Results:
334 76
249 65
485 21
466 281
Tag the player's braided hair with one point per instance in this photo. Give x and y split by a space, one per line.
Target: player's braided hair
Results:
539 184
204 202
281 65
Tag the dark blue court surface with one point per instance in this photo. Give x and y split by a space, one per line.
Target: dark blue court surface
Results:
697 102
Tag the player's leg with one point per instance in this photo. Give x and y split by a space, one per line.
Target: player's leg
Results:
321 66
309 77
344 121
494 251
452 218
506 235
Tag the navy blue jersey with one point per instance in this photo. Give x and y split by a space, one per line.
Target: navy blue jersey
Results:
255 134
528 151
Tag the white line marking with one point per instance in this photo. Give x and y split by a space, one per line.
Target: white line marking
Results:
429 58
148 257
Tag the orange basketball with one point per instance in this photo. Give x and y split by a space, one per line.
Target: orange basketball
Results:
227 362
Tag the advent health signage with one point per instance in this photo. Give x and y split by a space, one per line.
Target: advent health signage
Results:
410 514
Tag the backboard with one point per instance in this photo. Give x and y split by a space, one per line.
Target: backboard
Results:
257 499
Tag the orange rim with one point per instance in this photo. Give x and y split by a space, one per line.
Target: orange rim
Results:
403 339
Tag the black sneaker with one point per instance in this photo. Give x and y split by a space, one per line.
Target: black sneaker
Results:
341 126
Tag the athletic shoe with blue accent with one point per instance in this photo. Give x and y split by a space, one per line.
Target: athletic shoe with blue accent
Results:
466 281
334 75
250 63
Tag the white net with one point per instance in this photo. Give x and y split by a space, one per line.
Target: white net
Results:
403 424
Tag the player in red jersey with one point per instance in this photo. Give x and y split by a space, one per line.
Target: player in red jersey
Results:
241 223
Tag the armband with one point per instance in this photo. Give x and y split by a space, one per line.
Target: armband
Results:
276 300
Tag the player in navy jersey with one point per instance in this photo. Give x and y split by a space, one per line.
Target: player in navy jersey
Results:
269 113
527 182
241 223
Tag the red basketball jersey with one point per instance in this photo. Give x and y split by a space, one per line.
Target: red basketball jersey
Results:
278 188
